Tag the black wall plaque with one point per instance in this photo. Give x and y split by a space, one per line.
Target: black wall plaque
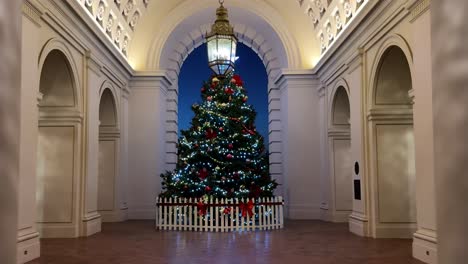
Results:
357 189
356 168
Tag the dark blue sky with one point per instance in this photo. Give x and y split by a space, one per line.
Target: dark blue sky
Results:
249 66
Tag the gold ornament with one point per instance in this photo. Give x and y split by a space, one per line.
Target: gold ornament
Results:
215 80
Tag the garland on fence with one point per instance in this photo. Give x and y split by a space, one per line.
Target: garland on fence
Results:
246 208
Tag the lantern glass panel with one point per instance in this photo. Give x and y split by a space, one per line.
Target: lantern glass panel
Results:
224 49
212 44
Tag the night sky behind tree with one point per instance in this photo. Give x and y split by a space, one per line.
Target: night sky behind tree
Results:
249 66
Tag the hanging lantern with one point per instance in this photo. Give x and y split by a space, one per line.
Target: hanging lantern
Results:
222 44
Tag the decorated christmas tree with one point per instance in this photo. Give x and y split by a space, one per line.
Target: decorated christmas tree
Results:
221 155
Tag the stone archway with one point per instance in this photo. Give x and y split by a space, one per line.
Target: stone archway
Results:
189 35
392 165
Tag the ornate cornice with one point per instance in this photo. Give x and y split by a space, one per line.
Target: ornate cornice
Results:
418 7
33 13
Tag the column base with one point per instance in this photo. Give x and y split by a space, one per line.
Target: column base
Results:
425 246
91 224
47 230
114 216
28 247
395 230
358 224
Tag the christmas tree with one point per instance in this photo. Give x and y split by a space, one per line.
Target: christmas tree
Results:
221 155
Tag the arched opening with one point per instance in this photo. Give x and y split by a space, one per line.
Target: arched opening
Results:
195 70
109 140
394 199
339 136
57 191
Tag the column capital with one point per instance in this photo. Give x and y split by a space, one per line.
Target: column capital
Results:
297 79
151 80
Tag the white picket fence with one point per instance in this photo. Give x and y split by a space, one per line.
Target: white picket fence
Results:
185 215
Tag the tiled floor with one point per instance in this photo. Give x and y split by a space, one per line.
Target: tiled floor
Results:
137 242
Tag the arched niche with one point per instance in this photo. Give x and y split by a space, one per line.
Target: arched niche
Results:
393 79
107 110
108 159
56 83
58 152
341 109
340 202
393 175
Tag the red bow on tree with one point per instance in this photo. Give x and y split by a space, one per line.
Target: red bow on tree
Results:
229 91
201 208
210 134
247 208
238 80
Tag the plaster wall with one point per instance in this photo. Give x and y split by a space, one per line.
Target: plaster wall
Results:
48 26
301 144
146 142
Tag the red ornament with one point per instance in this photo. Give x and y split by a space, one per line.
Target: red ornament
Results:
221 129
208 189
236 176
203 173
209 98
245 99
229 91
195 146
238 80
213 85
203 89
231 146
229 156
210 134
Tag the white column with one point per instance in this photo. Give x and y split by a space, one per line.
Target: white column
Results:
10 52
300 120
122 198
172 125
91 222
146 142
325 181
28 237
358 220
425 238
450 97
275 130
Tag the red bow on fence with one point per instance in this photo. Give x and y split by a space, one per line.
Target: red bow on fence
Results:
201 208
247 208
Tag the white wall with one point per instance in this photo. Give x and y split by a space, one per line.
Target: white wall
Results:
146 141
301 143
